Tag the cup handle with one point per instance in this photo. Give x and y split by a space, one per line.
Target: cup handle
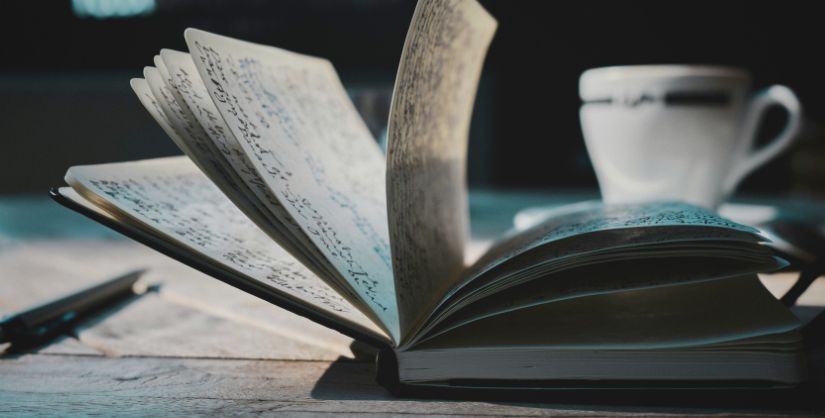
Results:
745 158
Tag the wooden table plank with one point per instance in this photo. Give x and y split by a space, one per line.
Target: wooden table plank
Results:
151 326
193 315
146 386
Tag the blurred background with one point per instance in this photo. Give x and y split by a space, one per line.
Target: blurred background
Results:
65 97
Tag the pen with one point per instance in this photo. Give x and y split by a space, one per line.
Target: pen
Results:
37 324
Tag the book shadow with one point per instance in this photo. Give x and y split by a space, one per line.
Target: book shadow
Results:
347 379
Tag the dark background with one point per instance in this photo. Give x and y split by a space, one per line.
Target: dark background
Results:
65 98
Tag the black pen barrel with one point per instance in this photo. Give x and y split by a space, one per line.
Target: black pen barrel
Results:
41 318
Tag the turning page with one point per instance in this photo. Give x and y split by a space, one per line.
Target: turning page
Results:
191 138
594 248
147 99
658 219
305 139
173 200
427 149
186 84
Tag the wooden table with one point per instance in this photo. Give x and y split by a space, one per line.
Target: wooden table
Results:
199 347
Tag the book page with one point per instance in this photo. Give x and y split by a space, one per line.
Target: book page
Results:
174 116
427 147
664 317
591 248
536 283
592 217
186 84
172 199
592 232
147 99
292 116
192 138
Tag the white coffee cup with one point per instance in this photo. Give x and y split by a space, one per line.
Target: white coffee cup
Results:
677 132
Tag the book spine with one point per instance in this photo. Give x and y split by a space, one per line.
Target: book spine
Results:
386 372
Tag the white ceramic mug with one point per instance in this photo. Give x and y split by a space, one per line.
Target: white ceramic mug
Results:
677 132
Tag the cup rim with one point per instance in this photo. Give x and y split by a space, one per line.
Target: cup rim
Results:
648 71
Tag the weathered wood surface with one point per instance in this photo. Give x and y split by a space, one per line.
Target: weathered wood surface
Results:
158 355
199 347
192 315
63 385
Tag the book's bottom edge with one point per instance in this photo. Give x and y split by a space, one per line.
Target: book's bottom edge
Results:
670 393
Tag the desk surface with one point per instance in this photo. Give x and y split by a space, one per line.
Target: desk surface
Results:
224 351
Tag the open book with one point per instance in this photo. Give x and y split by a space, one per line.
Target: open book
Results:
284 193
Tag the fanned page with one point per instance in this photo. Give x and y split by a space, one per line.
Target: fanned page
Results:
201 135
590 249
147 99
188 88
193 140
291 115
592 217
427 146
589 217
172 199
